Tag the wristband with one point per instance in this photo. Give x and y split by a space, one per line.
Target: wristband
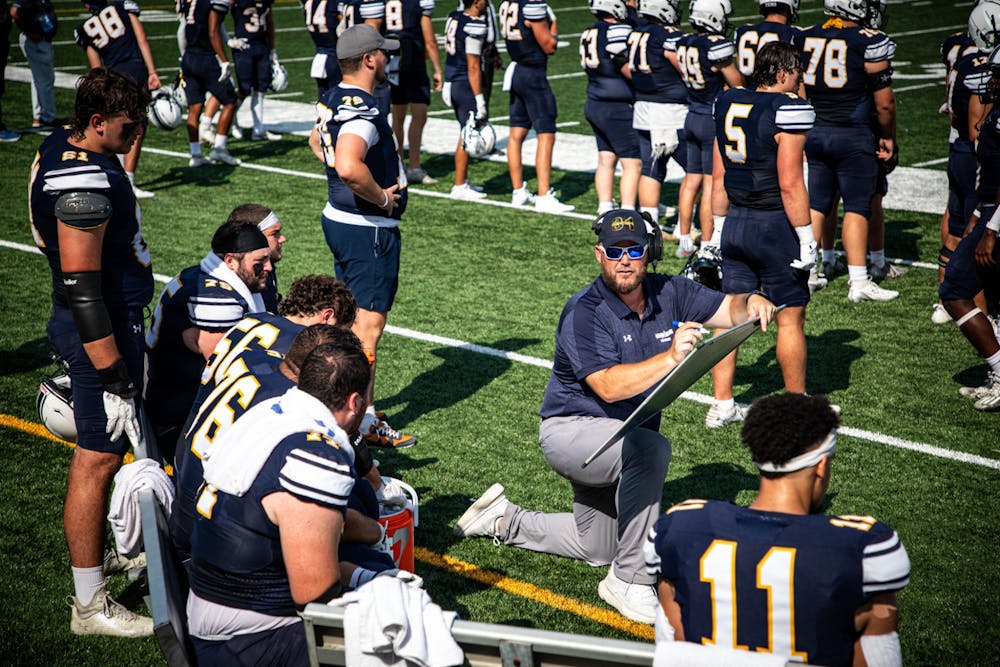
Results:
386 202
805 234
116 380
994 223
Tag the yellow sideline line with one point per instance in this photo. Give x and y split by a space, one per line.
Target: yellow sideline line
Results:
453 565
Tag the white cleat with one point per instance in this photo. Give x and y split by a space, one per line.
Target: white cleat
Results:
522 197
939 315
717 419
221 155
197 161
868 291
142 194
266 135
466 192
104 616
549 203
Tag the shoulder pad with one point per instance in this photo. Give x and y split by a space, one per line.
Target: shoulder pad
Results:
692 504
83 209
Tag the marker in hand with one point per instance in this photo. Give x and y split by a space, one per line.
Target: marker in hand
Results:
702 330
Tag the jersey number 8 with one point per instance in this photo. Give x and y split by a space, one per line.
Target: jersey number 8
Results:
833 54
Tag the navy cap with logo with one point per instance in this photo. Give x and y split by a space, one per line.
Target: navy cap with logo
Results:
621 225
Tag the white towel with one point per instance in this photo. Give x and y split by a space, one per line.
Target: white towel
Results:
390 624
124 513
213 265
235 459
687 654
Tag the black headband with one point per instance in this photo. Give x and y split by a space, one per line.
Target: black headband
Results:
231 239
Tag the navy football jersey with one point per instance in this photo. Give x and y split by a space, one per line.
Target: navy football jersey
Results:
110 32
956 46
598 44
463 35
195 14
514 18
403 18
745 124
654 78
250 19
60 168
322 17
772 582
697 55
988 157
835 78
356 12
969 77
750 38
349 104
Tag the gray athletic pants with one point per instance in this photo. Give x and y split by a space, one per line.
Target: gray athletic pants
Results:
616 499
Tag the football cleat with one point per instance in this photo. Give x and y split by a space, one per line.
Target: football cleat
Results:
939 314
115 563
266 135
989 398
522 196
466 192
867 290
829 270
717 419
104 616
419 177
549 203
197 161
383 436
221 155
142 194
886 271
992 379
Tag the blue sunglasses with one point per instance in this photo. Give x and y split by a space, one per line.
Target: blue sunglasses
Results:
614 253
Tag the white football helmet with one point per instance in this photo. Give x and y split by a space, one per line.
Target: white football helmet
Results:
55 407
877 17
666 11
767 6
984 25
279 77
616 8
855 10
164 110
711 15
478 137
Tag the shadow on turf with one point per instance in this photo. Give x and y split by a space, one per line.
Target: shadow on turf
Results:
711 481
29 356
463 373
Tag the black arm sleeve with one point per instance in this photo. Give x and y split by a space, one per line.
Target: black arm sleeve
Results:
86 302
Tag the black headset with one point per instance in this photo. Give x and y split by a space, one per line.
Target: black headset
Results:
654 236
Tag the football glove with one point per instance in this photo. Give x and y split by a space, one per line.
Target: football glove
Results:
391 494
225 69
238 43
481 112
807 249
119 402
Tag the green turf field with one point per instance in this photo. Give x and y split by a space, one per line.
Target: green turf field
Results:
914 453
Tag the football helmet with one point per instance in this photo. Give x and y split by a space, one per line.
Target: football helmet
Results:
95 5
279 77
984 25
478 137
877 17
768 6
711 15
616 8
666 11
704 267
178 91
164 110
55 407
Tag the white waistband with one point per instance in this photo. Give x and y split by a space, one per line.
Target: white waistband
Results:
336 215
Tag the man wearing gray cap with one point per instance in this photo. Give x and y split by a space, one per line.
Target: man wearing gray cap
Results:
616 339
366 186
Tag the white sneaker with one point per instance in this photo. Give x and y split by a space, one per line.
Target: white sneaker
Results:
522 197
419 177
549 203
466 192
482 519
717 419
206 134
939 315
142 194
975 393
104 616
266 135
634 601
222 155
474 186
197 161
114 563
869 291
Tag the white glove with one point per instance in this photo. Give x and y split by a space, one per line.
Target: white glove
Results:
481 107
225 69
807 249
274 56
122 417
238 43
384 543
391 494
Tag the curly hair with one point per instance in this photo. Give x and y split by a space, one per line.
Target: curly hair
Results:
781 426
312 337
310 294
108 93
334 371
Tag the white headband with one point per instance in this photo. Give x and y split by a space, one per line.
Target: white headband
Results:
269 221
805 460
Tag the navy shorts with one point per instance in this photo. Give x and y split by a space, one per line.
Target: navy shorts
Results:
414 85
135 70
367 260
283 646
201 74
681 154
333 75
532 103
654 169
699 130
88 392
963 277
757 247
253 68
962 198
842 159
462 100
612 124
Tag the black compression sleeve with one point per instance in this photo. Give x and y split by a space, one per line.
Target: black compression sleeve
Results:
86 302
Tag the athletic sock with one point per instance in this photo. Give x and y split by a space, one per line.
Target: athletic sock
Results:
726 405
87 581
257 112
857 274
653 211
220 141
829 256
877 258
686 243
604 206
994 362
195 148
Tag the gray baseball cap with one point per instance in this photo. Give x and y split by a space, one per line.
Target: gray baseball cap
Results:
361 39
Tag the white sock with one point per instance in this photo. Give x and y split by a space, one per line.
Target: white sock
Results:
726 405
604 206
829 256
205 123
87 581
857 274
994 362
523 188
716 236
653 211
195 148
686 243
257 112
220 141
131 177
877 257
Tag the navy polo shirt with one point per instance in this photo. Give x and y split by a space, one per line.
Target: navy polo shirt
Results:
597 331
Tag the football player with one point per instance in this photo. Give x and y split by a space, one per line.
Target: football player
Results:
779 15
322 20
267 222
114 36
608 109
372 12
193 313
760 193
848 77
660 95
254 54
206 69
464 35
706 62
778 576
85 219
531 35
410 22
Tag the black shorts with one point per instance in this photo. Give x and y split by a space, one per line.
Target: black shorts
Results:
612 124
842 159
253 68
201 75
